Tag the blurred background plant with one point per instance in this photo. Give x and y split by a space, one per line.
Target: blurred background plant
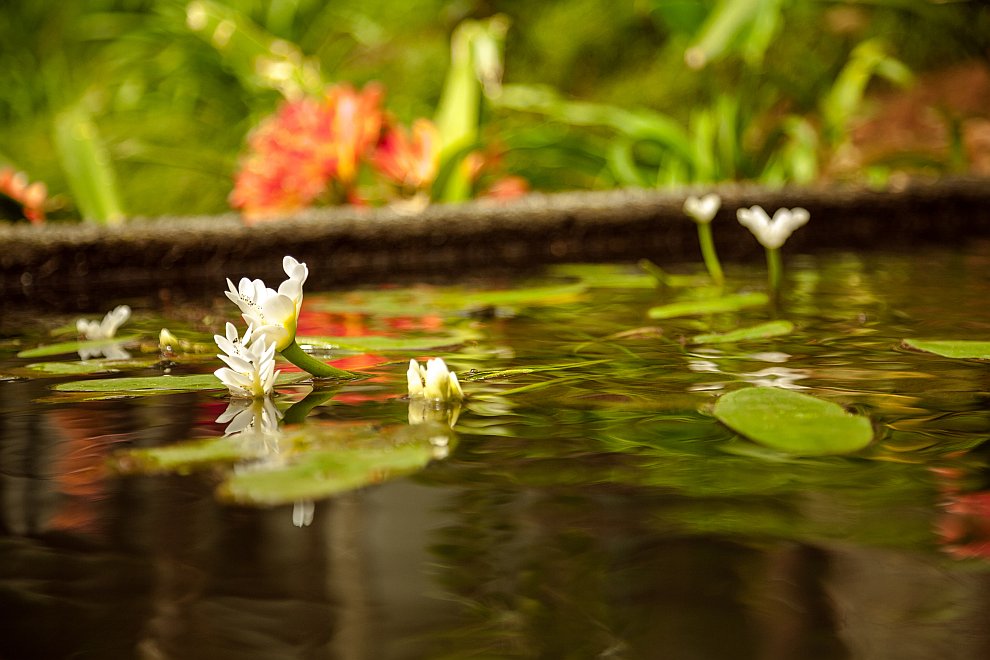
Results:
130 108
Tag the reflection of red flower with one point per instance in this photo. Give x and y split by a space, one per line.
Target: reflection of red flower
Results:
30 197
964 527
296 154
411 162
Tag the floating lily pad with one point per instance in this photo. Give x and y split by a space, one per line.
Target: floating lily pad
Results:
952 348
380 344
143 386
88 367
531 296
719 305
64 347
761 331
792 422
605 276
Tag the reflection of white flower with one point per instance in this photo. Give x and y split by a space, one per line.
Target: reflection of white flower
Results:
250 370
250 415
112 351
772 233
434 382
302 513
702 210
783 377
422 411
273 314
107 328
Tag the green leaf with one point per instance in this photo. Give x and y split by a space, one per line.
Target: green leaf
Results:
532 296
87 165
140 386
64 347
792 422
730 303
952 348
761 331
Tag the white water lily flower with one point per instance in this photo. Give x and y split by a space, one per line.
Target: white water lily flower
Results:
107 328
250 371
273 314
772 233
702 210
433 382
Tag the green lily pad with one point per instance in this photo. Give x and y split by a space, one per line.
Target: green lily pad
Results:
314 460
719 305
143 386
793 423
531 296
64 347
380 344
88 367
605 276
959 349
761 331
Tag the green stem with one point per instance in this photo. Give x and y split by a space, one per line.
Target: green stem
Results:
774 269
708 253
304 360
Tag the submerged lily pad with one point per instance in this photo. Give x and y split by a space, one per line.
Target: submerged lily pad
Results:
959 349
792 422
313 461
761 331
732 303
143 386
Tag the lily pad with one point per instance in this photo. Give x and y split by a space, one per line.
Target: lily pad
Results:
88 367
380 344
64 347
314 461
143 386
959 349
718 305
761 331
792 422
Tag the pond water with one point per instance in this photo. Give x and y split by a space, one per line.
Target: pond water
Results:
586 503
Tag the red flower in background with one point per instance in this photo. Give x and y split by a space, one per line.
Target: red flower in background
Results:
295 155
410 162
29 196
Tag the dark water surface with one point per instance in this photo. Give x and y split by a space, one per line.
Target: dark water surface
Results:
597 511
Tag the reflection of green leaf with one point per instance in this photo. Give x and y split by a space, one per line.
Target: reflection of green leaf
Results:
489 374
709 306
64 347
952 348
792 422
761 331
142 386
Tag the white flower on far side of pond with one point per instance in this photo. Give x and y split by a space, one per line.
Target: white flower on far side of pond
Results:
272 313
702 210
772 233
107 328
433 382
250 371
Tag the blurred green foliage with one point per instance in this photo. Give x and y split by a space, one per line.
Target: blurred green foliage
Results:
597 94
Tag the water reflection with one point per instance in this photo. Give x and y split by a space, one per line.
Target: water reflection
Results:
597 511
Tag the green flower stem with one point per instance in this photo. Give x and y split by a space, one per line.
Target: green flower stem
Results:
774 269
304 360
708 253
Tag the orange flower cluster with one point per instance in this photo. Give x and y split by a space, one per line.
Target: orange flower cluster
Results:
311 151
29 197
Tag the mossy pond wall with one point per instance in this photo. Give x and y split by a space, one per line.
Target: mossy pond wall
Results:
583 501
